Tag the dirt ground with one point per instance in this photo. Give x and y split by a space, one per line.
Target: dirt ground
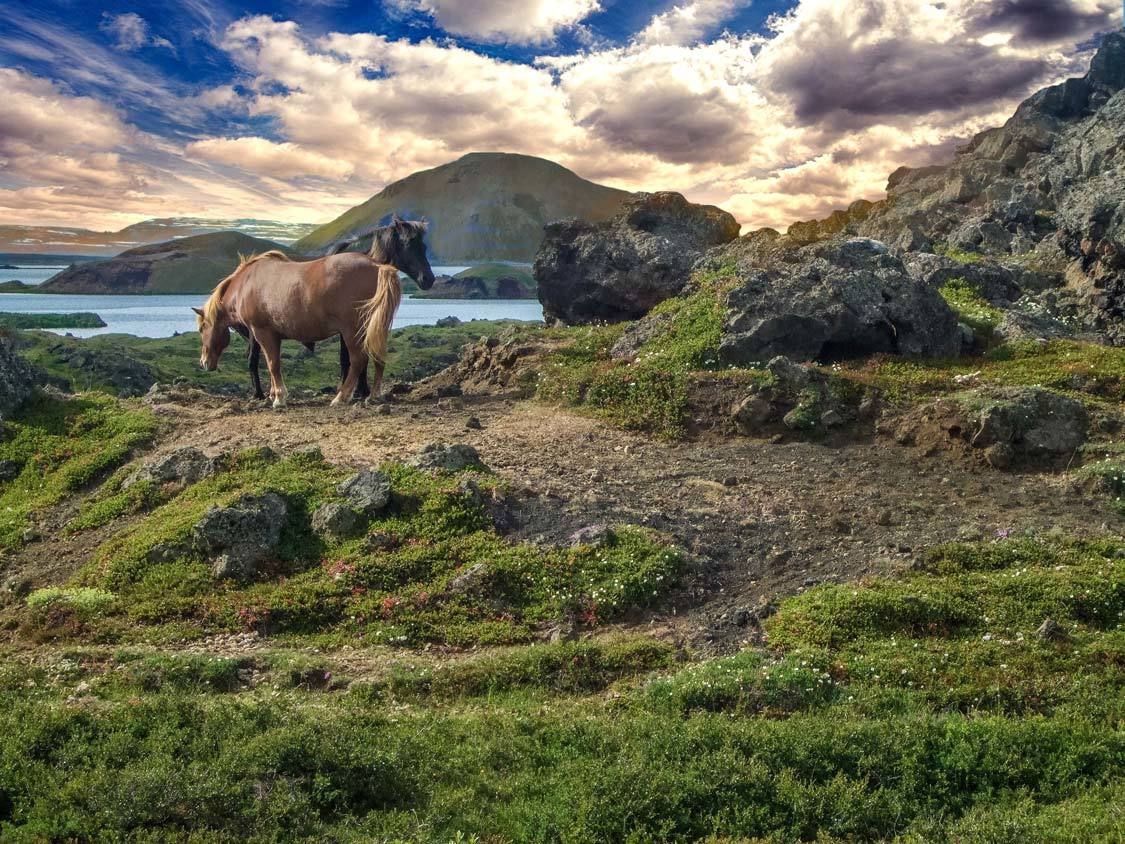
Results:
761 519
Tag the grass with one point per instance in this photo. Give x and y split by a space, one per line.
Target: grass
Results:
61 446
336 591
415 352
972 308
918 710
76 320
651 392
1093 373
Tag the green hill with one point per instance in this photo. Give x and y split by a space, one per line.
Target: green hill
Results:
185 265
484 206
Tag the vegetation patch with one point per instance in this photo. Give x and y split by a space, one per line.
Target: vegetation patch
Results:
1090 372
650 392
76 320
58 446
430 568
972 308
923 710
415 352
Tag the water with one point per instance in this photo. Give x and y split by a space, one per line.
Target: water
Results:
163 316
30 275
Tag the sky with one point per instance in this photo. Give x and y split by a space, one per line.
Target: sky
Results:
775 110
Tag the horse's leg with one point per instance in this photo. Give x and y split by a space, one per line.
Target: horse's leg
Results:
377 383
255 371
363 390
345 360
271 347
357 360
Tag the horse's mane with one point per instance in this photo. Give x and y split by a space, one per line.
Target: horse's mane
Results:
215 300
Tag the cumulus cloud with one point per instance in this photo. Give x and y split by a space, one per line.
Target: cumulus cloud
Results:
278 160
1040 21
689 22
777 127
130 32
505 21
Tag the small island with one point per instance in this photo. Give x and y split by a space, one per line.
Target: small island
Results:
77 320
487 281
15 286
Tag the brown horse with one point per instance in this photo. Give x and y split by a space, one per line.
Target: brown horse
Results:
350 294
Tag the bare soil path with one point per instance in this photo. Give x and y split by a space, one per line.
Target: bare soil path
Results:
762 519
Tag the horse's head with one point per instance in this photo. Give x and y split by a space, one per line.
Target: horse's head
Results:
402 244
214 332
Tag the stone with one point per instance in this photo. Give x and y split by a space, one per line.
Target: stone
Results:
471 580
448 458
9 470
834 301
185 465
473 424
380 541
595 535
18 378
1051 631
751 413
448 322
831 419
1033 421
335 521
621 268
368 491
240 536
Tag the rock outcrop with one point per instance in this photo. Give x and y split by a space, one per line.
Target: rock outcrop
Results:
237 538
184 465
621 268
18 379
1045 191
448 458
834 301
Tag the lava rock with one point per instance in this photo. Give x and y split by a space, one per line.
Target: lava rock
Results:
185 465
368 491
835 301
1033 421
239 537
449 458
619 269
18 379
336 521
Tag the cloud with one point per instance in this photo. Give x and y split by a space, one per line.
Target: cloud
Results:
503 21
278 160
1040 21
776 127
683 105
131 32
689 22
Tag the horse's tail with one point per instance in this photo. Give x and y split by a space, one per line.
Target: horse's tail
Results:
379 311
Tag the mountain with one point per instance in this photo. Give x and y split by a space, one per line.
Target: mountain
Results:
71 241
484 206
1040 199
185 265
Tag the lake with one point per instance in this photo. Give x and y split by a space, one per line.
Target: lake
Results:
163 316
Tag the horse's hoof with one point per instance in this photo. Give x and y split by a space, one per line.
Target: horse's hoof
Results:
278 404
336 400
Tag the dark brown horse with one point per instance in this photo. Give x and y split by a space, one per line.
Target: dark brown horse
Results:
350 294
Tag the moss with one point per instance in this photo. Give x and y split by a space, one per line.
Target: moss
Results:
439 528
961 256
1092 373
63 446
651 392
972 308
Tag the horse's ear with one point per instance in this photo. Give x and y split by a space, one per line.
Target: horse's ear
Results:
396 220
198 311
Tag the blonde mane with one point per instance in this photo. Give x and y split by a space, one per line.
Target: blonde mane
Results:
215 300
